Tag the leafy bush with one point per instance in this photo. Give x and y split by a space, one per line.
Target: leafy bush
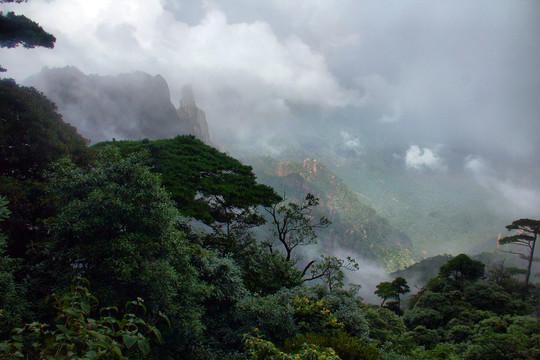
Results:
384 325
439 352
12 304
425 337
349 312
314 316
505 337
259 349
493 346
433 309
486 295
272 314
77 336
346 347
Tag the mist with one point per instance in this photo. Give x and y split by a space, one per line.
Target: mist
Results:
439 87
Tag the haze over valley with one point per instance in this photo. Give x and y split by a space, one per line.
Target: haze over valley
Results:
436 206
429 87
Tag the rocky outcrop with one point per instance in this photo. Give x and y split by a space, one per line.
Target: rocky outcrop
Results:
285 168
192 118
130 106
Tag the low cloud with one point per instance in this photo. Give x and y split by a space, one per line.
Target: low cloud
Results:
244 74
368 276
350 142
509 196
461 73
475 164
381 97
418 158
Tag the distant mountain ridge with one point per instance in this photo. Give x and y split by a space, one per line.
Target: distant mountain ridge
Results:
439 211
443 212
356 228
129 106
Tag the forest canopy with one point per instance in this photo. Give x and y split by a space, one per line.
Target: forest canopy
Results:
205 183
98 258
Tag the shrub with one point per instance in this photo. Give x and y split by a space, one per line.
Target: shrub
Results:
259 349
75 335
346 347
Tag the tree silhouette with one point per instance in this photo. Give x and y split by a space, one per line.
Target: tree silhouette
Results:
19 30
294 225
527 233
462 268
392 290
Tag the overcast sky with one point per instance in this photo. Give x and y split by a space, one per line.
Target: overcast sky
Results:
460 77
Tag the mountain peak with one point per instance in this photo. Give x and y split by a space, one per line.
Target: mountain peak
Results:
125 106
193 118
188 99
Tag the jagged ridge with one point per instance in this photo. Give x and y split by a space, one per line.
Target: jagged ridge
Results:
128 106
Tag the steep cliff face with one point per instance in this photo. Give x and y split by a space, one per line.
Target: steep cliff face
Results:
129 106
192 118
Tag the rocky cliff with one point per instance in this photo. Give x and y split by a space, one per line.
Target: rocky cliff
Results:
128 106
192 118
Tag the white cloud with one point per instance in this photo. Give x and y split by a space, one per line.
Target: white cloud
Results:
476 164
417 158
266 73
350 142
429 71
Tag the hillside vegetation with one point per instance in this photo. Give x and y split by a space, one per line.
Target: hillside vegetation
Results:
356 227
441 212
98 260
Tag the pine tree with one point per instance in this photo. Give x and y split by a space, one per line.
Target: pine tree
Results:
527 233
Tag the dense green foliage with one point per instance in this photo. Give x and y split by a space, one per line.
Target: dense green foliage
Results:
347 347
117 228
205 183
32 133
260 349
75 335
32 137
11 305
458 313
114 218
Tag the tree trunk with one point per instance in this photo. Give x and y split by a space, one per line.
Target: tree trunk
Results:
529 266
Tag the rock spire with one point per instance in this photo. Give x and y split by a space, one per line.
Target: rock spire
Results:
193 118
